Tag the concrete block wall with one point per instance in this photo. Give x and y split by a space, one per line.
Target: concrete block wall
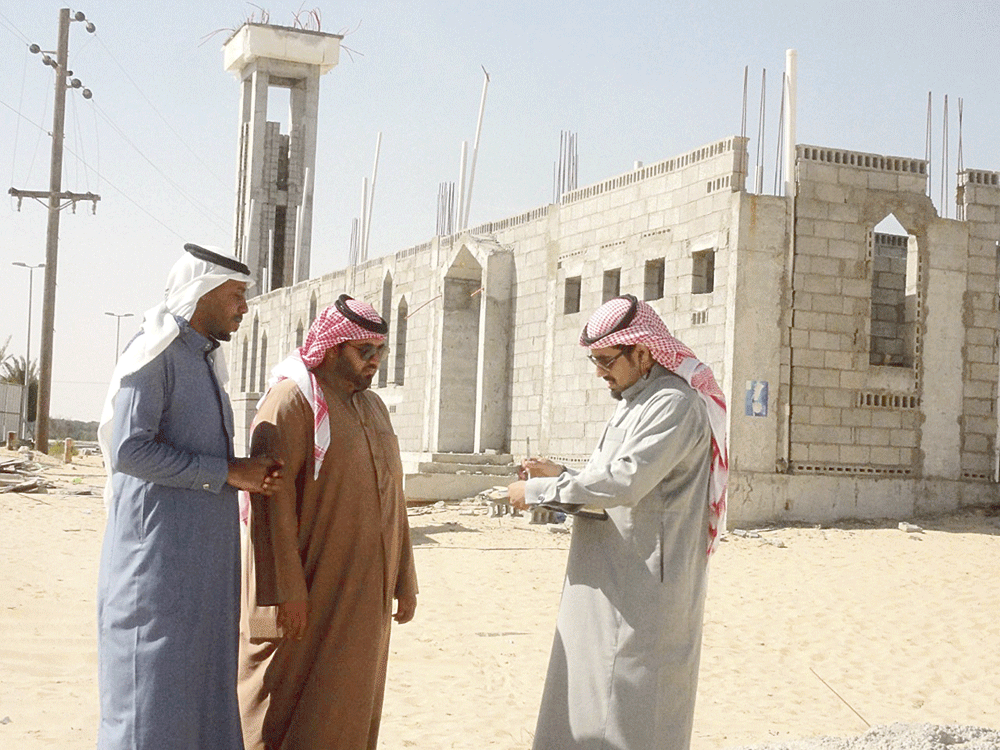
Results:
756 301
979 200
793 312
847 415
666 211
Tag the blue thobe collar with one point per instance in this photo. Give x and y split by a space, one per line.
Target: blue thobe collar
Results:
193 339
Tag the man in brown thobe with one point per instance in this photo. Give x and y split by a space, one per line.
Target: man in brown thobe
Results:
325 556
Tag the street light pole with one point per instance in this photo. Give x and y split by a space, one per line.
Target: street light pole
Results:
27 346
118 329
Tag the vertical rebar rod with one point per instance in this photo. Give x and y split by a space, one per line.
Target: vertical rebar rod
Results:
944 160
759 161
927 145
371 195
475 149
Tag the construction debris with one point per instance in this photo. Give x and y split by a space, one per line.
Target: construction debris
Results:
22 475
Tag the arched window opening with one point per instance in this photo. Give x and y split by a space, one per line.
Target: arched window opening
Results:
243 366
253 352
894 264
400 348
263 362
383 368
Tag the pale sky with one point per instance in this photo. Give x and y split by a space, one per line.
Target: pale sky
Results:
634 80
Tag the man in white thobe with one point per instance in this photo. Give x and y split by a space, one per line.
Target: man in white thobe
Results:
624 665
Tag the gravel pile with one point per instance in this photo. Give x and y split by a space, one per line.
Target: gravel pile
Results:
898 737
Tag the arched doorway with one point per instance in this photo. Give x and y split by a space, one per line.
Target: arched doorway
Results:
460 354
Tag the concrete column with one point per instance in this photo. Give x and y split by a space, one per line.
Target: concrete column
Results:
242 201
254 192
493 376
757 275
941 397
460 325
428 322
791 83
304 115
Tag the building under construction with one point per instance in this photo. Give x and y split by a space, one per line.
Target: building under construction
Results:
860 365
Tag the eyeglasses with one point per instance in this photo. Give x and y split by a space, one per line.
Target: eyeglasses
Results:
605 363
370 351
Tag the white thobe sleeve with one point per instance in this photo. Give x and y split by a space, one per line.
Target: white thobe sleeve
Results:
629 462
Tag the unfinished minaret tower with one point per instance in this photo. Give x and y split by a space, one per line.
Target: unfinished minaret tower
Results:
274 184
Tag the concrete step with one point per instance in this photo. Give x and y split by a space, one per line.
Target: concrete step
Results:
472 458
507 470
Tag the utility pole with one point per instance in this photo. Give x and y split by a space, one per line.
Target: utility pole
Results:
55 198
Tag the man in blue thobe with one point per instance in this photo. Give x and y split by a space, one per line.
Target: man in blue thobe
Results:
168 588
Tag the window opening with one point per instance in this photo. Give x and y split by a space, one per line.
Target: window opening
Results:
893 260
703 272
612 284
400 369
263 363
653 284
571 300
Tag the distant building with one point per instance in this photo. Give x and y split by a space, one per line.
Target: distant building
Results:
860 367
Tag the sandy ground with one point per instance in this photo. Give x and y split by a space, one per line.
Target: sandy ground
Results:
809 631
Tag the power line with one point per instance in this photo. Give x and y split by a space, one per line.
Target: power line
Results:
78 142
17 123
41 131
24 117
127 197
159 114
203 210
97 172
9 25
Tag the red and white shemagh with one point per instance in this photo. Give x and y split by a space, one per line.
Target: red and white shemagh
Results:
330 328
647 328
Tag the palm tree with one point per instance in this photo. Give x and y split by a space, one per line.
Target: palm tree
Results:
13 370
3 350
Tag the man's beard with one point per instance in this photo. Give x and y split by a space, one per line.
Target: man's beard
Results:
359 380
615 393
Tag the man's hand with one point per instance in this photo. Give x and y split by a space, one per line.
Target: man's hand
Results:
540 467
516 495
405 607
293 618
258 474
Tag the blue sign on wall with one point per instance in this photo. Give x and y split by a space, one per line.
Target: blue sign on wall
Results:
756 400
